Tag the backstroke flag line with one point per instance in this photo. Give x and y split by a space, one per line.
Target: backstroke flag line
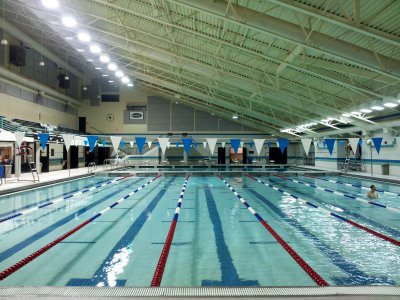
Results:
211 143
115 140
259 143
306 145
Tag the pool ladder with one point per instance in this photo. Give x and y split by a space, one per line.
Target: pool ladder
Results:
91 167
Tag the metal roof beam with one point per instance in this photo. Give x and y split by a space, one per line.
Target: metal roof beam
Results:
293 33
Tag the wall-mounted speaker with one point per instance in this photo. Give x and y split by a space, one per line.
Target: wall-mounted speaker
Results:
17 55
62 82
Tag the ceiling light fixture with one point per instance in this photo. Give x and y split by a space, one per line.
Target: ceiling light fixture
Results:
104 59
130 84
98 68
377 105
347 115
112 67
80 50
125 79
4 41
50 3
365 110
84 37
95 49
235 116
119 74
89 60
390 103
104 75
69 21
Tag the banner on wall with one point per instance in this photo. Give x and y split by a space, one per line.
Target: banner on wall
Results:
211 144
136 115
377 143
187 142
223 144
43 138
115 140
67 140
204 145
283 143
330 143
149 144
85 143
140 143
92 139
251 144
354 144
163 143
259 143
19 137
241 144
306 145
235 143
131 144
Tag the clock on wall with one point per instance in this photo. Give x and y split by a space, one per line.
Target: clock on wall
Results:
110 117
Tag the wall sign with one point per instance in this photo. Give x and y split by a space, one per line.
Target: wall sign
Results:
136 115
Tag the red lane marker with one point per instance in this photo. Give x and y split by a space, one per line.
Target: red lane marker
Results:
305 175
280 176
373 232
306 267
7 272
162 261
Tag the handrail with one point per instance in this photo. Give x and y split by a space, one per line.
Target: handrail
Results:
92 166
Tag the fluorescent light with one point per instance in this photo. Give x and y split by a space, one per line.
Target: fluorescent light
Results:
98 68
95 49
355 112
69 21
125 79
69 38
66 77
389 102
111 81
377 107
80 50
235 116
104 75
89 60
50 3
365 110
347 115
84 37
104 59
130 84
112 67
119 74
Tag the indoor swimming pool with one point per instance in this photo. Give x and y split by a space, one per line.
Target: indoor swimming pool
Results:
248 230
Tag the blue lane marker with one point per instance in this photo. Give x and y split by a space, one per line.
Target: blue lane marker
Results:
356 276
25 243
230 276
100 276
388 229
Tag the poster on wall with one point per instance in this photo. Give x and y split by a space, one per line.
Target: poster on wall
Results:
136 115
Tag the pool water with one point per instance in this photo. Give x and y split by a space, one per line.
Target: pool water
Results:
217 241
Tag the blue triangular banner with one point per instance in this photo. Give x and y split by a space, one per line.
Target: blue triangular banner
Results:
140 143
121 143
195 145
377 143
235 144
251 144
341 142
177 144
92 141
269 144
330 143
104 143
43 138
85 142
283 143
360 142
187 142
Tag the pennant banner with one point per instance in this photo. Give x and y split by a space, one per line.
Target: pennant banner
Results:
187 142
163 143
140 143
177 144
204 145
67 140
354 143
283 143
223 144
211 143
115 140
131 144
235 144
19 137
251 144
241 144
306 145
377 143
259 143
330 143
43 138
149 144
92 141
85 142
269 144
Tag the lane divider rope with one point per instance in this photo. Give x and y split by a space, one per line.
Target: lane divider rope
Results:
158 273
300 261
7 272
46 204
351 196
328 212
350 184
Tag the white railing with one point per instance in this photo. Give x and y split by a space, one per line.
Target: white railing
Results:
91 167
